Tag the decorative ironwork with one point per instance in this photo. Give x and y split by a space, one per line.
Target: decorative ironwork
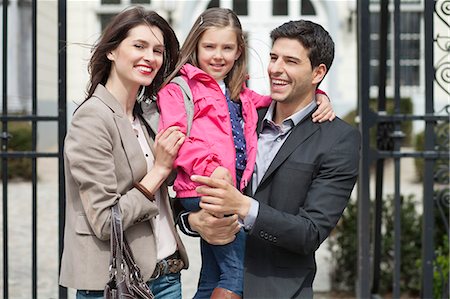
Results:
442 72
442 9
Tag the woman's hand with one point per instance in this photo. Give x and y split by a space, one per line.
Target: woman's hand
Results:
167 144
324 110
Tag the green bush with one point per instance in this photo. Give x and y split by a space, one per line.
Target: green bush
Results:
343 246
406 107
442 131
441 270
19 168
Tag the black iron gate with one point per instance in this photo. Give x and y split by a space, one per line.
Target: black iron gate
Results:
436 197
13 11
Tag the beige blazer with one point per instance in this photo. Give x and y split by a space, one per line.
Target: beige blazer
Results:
102 159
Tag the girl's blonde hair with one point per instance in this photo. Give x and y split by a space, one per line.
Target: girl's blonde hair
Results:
216 18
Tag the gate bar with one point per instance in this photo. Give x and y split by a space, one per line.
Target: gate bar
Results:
62 125
397 142
363 283
4 143
33 148
428 202
378 214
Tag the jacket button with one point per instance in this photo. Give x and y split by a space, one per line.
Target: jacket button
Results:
270 238
266 236
261 234
146 216
274 239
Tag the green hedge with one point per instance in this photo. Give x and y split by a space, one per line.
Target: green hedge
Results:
19 168
442 130
343 246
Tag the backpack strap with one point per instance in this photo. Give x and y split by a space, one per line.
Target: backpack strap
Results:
188 102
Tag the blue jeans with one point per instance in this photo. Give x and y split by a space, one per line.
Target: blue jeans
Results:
164 287
222 265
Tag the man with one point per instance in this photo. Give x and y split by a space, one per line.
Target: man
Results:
303 177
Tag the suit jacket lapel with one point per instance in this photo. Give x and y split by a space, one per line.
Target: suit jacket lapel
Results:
261 113
302 131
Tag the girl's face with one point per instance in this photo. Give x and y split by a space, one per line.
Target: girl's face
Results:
138 58
217 50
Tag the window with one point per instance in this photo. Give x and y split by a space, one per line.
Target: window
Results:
307 8
104 20
280 7
409 48
110 2
140 1
125 2
240 7
113 7
213 3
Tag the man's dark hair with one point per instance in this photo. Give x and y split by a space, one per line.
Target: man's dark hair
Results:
312 36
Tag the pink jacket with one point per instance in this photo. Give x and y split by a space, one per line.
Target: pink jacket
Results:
210 143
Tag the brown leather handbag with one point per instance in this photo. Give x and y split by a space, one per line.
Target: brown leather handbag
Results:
125 276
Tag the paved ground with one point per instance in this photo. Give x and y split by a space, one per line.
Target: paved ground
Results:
19 237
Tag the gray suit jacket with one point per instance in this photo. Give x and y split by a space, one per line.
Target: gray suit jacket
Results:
301 197
102 160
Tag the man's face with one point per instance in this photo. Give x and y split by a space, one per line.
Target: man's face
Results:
292 78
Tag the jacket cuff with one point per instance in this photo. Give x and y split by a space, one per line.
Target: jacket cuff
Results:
184 226
320 91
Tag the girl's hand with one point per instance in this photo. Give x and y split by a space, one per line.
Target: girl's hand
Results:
222 173
324 110
167 144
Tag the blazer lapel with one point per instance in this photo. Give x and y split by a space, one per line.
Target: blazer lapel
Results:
130 144
299 134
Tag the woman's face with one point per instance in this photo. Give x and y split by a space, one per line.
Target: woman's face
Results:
138 58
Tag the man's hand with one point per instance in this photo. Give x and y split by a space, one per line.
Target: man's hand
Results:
216 231
219 196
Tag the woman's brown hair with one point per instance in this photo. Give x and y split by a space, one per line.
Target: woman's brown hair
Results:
116 31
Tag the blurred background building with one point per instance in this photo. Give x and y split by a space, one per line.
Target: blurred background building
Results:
87 18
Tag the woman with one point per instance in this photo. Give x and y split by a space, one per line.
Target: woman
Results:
111 158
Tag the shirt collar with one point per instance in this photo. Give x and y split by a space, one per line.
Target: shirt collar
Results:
294 119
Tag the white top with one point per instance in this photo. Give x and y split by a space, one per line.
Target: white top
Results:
165 240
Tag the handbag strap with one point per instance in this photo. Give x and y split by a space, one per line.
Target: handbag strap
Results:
116 238
120 249
128 256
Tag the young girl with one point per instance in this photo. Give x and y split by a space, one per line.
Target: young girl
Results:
223 134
